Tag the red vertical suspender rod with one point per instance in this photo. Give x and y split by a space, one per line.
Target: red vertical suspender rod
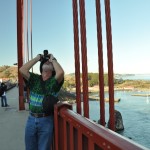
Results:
110 64
77 55
100 62
84 59
20 6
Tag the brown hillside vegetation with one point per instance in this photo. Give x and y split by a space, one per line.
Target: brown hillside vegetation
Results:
12 72
136 84
8 72
124 85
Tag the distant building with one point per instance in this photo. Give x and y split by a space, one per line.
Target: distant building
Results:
129 88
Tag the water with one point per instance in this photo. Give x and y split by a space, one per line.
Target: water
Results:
135 112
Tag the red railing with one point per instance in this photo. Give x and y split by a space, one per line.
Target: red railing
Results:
75 132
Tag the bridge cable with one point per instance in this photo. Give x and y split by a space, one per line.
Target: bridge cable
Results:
31 29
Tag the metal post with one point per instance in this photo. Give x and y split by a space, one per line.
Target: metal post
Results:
20 7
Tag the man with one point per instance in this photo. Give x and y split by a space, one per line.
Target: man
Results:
39 127
3 88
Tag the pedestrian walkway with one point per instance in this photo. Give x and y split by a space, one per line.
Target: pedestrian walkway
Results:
12 123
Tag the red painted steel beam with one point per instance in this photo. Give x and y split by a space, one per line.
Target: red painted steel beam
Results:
71 138
79 140
59 125
100 62
64 135
110 65
91 145
84 59
20 8
56 122
77 55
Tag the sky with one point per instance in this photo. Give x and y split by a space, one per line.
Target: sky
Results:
52 29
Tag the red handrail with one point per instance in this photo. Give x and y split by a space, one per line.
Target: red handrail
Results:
75 132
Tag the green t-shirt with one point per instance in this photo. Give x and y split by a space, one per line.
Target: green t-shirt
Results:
36 91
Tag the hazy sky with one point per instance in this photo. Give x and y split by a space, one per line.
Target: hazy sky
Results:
52 25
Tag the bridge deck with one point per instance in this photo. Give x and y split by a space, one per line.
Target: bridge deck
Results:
12 123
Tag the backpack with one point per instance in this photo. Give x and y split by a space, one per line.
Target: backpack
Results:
3 88
1 91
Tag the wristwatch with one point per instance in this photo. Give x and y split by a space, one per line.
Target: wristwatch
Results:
54 58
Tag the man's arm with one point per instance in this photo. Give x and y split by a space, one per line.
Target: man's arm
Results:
58 69
24 70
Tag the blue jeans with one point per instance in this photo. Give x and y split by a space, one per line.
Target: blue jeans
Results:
4 101
39 133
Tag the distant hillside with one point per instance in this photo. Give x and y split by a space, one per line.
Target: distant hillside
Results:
8 72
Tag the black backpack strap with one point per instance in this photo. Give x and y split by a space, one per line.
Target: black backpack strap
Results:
43 85
45 91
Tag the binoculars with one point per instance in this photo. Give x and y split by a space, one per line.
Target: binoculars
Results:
46 55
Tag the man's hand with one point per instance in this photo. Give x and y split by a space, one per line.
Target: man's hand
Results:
40 57
52 58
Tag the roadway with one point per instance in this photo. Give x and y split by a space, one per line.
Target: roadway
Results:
12 123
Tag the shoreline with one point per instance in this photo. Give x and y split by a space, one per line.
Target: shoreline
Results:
106 89
71 98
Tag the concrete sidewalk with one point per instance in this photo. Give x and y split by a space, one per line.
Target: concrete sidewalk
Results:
12 123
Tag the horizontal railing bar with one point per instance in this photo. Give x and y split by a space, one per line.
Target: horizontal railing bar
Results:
101 136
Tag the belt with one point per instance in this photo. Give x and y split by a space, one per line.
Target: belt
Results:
39 115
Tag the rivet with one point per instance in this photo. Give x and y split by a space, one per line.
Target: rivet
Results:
108 147
104 143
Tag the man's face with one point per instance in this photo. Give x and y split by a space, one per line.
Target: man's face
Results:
47 67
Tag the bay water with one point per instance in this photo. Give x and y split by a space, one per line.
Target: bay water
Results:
135 111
